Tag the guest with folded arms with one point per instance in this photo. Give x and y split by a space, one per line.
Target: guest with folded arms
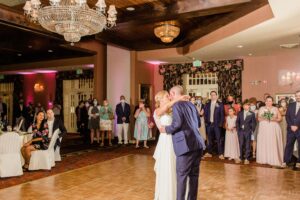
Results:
40 139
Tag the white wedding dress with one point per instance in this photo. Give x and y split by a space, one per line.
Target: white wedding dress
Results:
165 162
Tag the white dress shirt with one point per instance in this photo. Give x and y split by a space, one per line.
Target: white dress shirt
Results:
297 107
50 127
212 110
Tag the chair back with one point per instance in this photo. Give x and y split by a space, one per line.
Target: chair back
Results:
10 142
53 139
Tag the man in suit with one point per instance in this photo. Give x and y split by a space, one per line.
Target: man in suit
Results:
123 114
293 131
188 145
245 125
214 120
3 110
53 124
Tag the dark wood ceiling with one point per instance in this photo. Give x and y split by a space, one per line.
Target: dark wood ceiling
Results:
134 29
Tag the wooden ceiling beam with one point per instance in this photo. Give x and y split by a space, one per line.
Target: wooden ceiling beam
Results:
10 17
181 8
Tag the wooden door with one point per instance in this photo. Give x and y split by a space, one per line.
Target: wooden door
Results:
6 91
73 92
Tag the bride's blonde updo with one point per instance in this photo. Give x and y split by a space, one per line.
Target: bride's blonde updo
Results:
159 96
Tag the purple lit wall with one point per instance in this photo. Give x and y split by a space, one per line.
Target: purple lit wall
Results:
44 80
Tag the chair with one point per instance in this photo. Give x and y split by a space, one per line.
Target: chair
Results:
44 159
10 156
57 152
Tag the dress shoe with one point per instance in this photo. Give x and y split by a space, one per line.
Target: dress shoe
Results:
221 157
237 161
297 165
246 162
207 155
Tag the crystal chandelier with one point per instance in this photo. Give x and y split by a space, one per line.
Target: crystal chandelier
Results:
71 18
167 31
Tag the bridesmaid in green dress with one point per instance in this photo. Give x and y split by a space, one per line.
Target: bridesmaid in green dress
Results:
141 130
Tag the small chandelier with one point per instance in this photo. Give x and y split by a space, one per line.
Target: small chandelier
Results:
167 31
71 18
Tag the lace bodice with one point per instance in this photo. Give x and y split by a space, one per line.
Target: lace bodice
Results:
164 120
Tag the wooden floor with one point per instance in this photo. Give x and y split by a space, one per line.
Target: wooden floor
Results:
132 178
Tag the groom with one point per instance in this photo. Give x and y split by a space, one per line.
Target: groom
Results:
188 145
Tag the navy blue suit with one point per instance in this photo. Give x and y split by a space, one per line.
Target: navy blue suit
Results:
292 119
245 127
213 129
122 113
188 146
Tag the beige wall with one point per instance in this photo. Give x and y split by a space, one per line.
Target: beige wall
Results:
267 68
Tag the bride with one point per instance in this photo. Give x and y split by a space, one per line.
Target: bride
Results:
165 159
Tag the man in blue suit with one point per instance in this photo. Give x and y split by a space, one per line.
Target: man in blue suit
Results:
293 131
123 115
188 145
214 121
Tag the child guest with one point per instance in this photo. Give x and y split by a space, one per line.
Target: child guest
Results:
232 150
246 124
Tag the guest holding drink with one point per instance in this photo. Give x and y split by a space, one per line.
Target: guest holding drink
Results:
141 129
246 123
40 139
232 150
106 117
293 131
269 138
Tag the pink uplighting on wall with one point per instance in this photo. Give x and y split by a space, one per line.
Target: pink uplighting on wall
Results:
45 84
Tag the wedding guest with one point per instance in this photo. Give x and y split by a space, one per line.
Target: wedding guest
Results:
269 137
230 103
232 150
150 122
94 119
20 115
3 110
40 139
84 120
283 125
254 109
246 123
141 129
78 114
57 110
55 123
123 117
106 117
200 108
293 131
214 120
30 114
39 108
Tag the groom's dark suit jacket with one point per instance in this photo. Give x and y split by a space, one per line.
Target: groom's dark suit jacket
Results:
184 128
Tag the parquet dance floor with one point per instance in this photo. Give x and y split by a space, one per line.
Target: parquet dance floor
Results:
132 178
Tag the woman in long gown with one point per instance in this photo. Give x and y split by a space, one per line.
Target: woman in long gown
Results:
269 138
164 155
282 109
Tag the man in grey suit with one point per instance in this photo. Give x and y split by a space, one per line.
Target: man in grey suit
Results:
188 145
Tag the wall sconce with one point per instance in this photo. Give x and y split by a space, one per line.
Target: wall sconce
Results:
258 82
289 78
38 87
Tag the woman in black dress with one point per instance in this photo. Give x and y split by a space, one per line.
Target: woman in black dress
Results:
40 140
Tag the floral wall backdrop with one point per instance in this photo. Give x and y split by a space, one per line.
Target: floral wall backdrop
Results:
229 75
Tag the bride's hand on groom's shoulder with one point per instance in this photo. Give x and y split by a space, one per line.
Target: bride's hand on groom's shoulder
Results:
185 98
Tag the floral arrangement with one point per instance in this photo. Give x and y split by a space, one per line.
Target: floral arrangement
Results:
268 115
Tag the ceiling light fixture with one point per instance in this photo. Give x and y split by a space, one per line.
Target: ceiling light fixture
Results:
167 31
130 8
71 18
250 54
239 46
50 51
289 46
19 54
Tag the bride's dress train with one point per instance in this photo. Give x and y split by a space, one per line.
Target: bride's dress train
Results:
165 162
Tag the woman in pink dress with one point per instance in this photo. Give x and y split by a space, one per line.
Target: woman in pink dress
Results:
269 138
